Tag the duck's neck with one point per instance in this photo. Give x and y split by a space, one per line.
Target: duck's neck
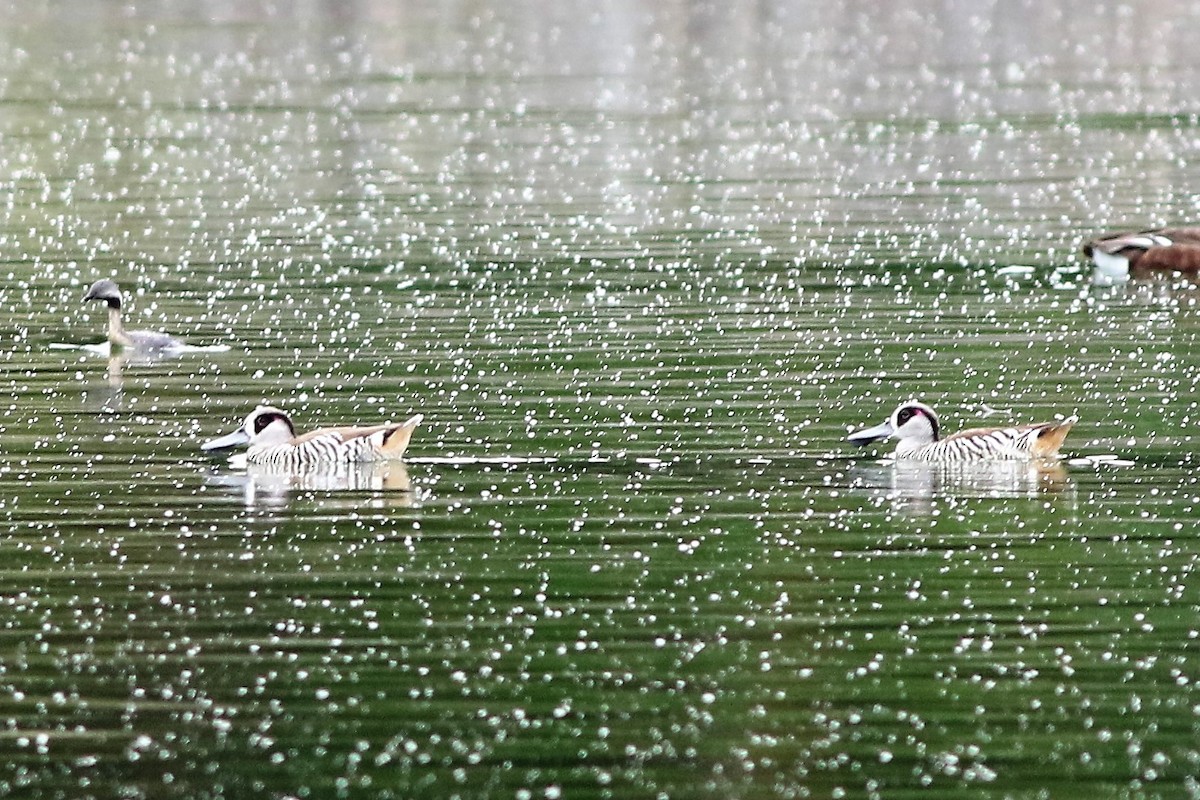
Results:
116 330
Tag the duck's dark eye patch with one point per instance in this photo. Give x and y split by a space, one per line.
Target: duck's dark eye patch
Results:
263 420
905 415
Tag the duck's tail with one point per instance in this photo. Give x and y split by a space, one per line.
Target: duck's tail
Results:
395 440
1051 437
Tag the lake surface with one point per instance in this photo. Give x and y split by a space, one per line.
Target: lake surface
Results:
642 267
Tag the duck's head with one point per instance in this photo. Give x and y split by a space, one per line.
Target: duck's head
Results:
913 423
265 426
105 290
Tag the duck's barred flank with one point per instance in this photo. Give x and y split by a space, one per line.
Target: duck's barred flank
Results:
329 448
998 444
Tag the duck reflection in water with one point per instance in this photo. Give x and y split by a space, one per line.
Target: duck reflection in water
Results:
272 486
913 486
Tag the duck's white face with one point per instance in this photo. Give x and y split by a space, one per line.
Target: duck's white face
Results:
264 427
914 424
267 426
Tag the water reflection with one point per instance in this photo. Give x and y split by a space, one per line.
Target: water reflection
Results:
267 486
1156 288
123 363
912 486
122 357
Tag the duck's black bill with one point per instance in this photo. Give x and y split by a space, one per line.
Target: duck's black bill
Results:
238 437
868 435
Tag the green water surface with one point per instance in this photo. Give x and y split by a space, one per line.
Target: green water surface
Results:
641 267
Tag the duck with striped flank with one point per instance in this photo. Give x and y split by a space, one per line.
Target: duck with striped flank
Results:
273 441
1154 250
916 428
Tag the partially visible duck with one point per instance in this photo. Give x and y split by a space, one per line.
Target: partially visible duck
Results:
272 440
144 341
917 430
1158 249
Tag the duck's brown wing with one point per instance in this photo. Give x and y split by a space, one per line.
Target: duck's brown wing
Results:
1180 235
1146 240
1177 258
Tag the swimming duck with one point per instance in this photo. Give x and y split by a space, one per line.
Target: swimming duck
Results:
1170 249
146 341
916 427
273 441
